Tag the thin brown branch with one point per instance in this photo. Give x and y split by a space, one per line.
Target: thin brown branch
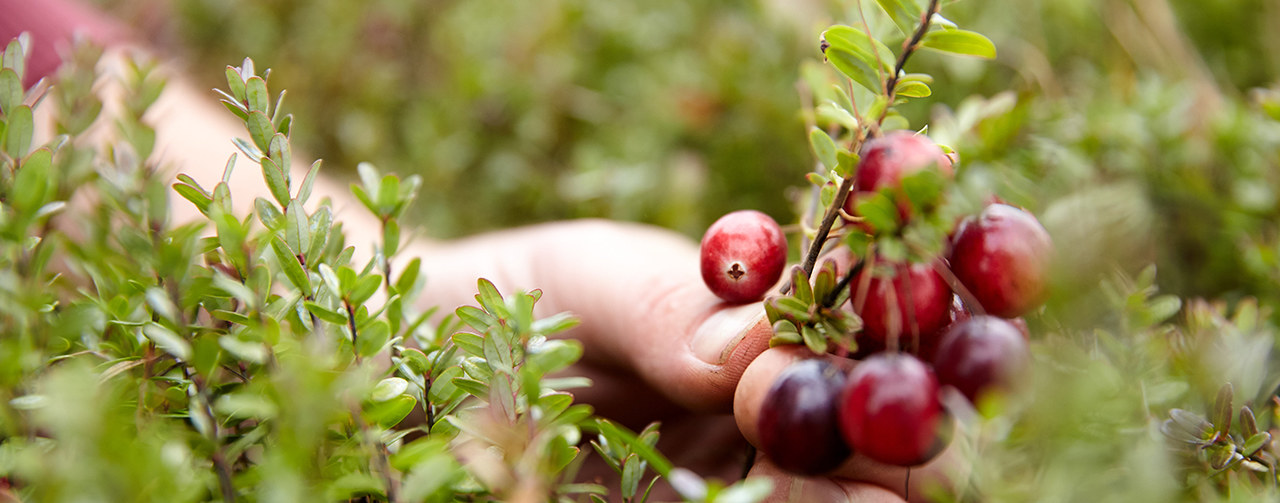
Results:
908 48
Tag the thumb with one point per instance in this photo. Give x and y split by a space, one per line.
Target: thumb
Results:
637 290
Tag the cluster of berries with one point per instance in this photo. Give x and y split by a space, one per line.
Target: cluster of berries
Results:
959 311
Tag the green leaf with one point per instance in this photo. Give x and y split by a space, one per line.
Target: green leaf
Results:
871 51
554 355
297 230
1221 417
236 110
293 270
388 388
856 69
245 405
416 360
801 289
879 211
373 338
235 289
167 340
824 148
390 237
1255 443
11 92
250 351
326 314
278 151
490 299
632 472
256 96
618 434
555 324
845 163
161 304
904 14
1163 307
791 306
389 413
197 197
17 137
276 182
268 214
260 130
275 110
814 340
1248 423
444 388
409 276
924 188
964 42
472 386
35 182
304 190
388 195
912 89
364 288
15 55
473 344
235 83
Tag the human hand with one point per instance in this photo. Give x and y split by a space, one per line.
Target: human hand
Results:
661 347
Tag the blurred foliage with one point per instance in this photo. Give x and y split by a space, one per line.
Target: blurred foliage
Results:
1141 112
668 112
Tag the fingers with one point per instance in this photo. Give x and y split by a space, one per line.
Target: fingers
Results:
637 290
788 487
945 472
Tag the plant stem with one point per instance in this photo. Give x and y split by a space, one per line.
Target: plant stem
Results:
829 218
908 48
351 323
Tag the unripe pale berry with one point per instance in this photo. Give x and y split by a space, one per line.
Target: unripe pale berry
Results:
1002 257
743 254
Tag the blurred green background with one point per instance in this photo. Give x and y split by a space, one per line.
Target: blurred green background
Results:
1138 129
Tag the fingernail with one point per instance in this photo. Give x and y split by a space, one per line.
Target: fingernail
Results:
721 332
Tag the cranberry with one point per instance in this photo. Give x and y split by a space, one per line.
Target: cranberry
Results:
980 355
887 159
743 255
799 425
1002 257
929 302
890 410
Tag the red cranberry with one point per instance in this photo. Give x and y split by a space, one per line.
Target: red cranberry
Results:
799 425
743 255
890 410
980 355
930 303
886 160
1002 257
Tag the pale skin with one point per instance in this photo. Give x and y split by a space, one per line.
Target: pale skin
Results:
658 344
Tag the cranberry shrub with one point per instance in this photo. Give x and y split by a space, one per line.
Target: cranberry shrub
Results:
211 365
143 361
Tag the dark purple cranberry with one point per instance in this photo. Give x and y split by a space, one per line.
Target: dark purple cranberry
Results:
799 425
980 355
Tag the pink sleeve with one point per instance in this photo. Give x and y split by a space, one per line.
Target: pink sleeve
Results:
52 24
